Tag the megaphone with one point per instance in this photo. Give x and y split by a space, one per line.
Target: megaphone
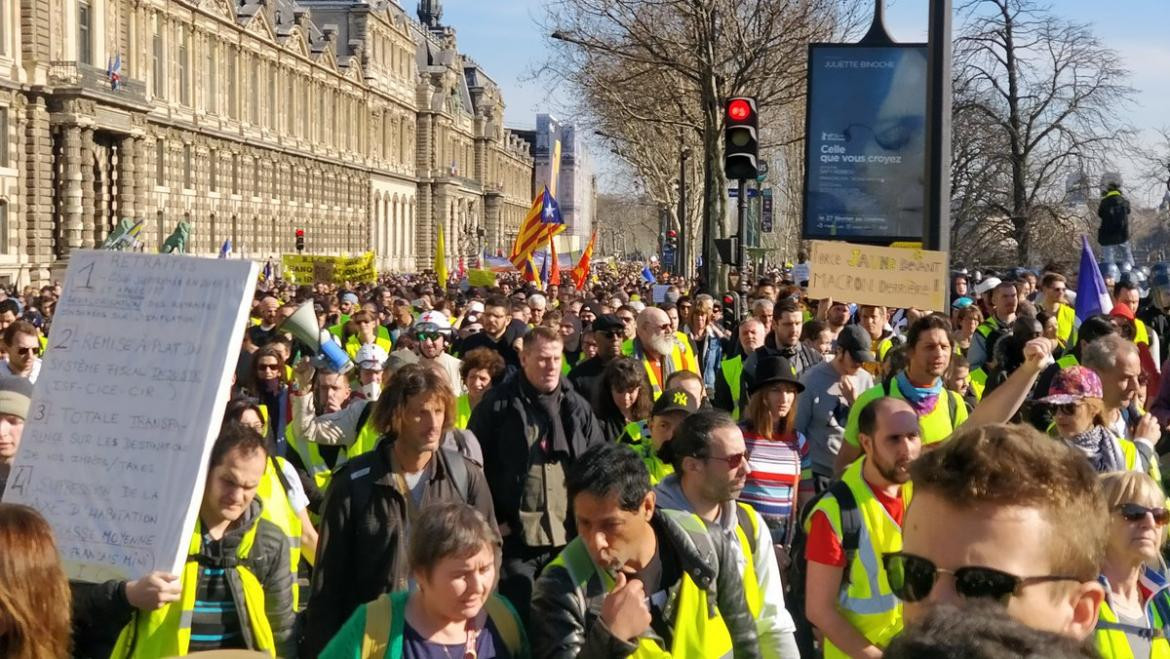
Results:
303 326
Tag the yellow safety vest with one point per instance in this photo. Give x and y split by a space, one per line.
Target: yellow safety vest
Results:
747 530
166 631
733 373
278 510
1112 643
1066 324
1142 337
698 629
978 382
637 434
352 345
312 459
1067 361
462 411
934 427
866 600
680 359
367 437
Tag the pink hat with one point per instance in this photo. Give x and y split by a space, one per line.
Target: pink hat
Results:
1072 385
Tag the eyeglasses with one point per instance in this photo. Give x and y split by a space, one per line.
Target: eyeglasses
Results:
1133 512
268 367
429 336
1065 408
733 461
912 578
34 350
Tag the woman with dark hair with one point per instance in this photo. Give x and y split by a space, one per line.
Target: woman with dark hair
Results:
267 383
570 329
481 368
34 593
623 397
781 469
454 556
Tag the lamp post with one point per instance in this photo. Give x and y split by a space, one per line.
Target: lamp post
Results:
683 262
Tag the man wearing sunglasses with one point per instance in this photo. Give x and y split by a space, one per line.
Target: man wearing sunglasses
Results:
848 594
24 350
659 350
1004 513
431 332
608 334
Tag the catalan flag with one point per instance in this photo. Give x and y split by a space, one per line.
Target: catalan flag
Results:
581 272
542 223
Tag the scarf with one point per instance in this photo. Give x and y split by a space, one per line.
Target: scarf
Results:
555 441
1100 447
922 399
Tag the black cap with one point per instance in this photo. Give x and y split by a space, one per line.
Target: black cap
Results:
855 340
771 370
675 399
608 323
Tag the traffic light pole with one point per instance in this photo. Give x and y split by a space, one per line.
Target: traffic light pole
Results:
682 264
741 226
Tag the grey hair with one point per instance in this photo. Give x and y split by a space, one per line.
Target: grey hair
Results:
450 530
762 302
1102 354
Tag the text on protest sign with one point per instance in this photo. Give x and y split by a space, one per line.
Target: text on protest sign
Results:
304 269
128 403
887 276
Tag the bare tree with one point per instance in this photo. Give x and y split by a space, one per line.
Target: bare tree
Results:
1040 97
647 69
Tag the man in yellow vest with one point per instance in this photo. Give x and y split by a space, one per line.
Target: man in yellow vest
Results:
1052 287
638 580
1004 302
656 346
708 487
1034 544
236 586
848 594
1126 291
729 385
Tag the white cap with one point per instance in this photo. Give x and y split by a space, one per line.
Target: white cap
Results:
637 305
986 285
475 306
371 357
436 318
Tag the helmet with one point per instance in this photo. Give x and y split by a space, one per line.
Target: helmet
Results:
1110 271
1126 267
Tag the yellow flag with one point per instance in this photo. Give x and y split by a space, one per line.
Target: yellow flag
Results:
441 259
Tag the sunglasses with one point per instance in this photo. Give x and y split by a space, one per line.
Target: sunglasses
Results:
27 351
1132 512
1065 408
267 367
733 461
912 578
428 336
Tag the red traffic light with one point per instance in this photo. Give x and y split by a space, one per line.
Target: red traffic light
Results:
739 110
671 233
300 233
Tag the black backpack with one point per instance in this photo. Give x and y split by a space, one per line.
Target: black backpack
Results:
851 525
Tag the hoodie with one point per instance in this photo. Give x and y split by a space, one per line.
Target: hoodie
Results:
774 624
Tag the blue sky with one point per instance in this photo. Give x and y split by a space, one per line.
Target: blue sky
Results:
503 37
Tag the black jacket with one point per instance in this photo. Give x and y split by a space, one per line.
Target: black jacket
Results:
566 615
586 377
361 553
1114 214
801 357
503 420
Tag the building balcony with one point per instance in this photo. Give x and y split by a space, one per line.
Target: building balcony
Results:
87 80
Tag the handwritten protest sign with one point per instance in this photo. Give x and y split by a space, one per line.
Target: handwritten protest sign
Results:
309 268
127 405
888 276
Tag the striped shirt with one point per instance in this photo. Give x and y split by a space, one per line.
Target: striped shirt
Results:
215 623
778 468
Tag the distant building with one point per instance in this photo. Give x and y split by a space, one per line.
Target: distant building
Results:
576 188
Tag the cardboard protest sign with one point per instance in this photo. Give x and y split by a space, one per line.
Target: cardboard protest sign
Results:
866 274
127 406
309 268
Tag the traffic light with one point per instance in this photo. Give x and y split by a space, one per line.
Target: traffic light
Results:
300 240
732 308
727 249
741 145
671 243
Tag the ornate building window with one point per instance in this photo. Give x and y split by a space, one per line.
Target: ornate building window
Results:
158 62
188 178
212 79
184 38
84 33
232 82
213 170
160 162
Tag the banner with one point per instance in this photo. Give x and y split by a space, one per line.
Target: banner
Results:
127 406
868 274
865 152
309 269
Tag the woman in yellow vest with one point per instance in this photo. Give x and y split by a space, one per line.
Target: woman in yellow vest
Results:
454 556
481 368
236 586
1135 615
1075 398
363 330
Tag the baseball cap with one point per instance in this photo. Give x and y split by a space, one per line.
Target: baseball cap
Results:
986 285
351 298
608 323
854 340
474 307
15 396
675 399
1071 385
371 357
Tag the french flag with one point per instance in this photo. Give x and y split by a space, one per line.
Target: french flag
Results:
1092 296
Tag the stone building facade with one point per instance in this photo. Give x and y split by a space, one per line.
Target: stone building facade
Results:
248 119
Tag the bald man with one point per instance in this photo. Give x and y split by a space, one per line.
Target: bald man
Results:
655 345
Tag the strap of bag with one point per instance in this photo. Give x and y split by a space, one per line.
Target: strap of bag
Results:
376 637
458 470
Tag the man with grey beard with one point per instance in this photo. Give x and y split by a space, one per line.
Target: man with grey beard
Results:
655 345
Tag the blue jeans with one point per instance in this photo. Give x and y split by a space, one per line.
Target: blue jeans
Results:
1118 254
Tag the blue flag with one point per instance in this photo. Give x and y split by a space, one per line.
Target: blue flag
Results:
648 276
225 249
1092 296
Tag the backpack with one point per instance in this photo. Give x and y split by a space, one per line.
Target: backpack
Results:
851 525
952 401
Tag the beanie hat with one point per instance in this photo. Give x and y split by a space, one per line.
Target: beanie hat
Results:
15 396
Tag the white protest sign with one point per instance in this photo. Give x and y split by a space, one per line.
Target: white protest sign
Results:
128 403
890 276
